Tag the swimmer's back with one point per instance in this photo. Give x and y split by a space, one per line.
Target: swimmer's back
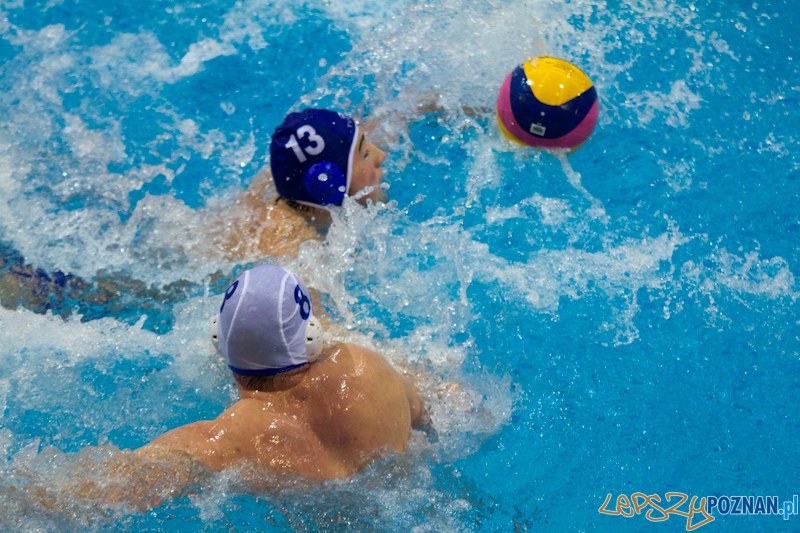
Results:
346 406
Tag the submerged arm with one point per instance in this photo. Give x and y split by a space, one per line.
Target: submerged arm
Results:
110 477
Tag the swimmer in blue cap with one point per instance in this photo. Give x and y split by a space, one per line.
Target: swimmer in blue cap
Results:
318 157
309 408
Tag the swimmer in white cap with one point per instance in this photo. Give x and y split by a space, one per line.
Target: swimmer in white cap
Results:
305 407
310 408
318 157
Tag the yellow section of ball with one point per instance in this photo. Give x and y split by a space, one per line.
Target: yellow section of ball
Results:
506 133
555 81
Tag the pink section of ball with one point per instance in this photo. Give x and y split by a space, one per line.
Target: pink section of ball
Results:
504 108
574 138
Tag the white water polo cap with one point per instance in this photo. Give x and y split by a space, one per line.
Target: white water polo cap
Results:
266 324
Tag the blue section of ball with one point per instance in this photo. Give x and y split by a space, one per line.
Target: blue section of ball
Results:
542 120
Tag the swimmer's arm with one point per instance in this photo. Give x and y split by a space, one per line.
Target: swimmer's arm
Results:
120 478
429 103
385 126
146 482
191 440
256 224
414 403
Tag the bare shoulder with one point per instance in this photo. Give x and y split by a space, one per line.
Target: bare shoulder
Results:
261 186
258 224
386 373
351 361
359 353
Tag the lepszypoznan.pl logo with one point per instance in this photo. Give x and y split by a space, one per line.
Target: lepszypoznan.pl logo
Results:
699 511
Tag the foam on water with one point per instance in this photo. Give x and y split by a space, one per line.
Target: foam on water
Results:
70 198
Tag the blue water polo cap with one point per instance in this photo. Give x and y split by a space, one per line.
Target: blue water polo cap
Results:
263 322
312 156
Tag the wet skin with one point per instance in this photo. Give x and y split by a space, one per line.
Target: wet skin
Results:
323 422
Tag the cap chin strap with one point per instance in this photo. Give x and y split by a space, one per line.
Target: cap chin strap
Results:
314 335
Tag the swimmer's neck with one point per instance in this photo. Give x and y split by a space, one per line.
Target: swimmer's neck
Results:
261 195
289 380
280 384
316 216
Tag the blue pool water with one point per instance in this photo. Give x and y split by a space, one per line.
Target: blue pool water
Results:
621 320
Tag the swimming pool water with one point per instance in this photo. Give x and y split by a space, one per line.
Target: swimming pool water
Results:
622 320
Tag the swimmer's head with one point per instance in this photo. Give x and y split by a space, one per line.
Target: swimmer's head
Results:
266 325
319 156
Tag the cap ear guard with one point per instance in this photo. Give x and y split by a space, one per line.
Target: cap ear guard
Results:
215 332
314 334
325 183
